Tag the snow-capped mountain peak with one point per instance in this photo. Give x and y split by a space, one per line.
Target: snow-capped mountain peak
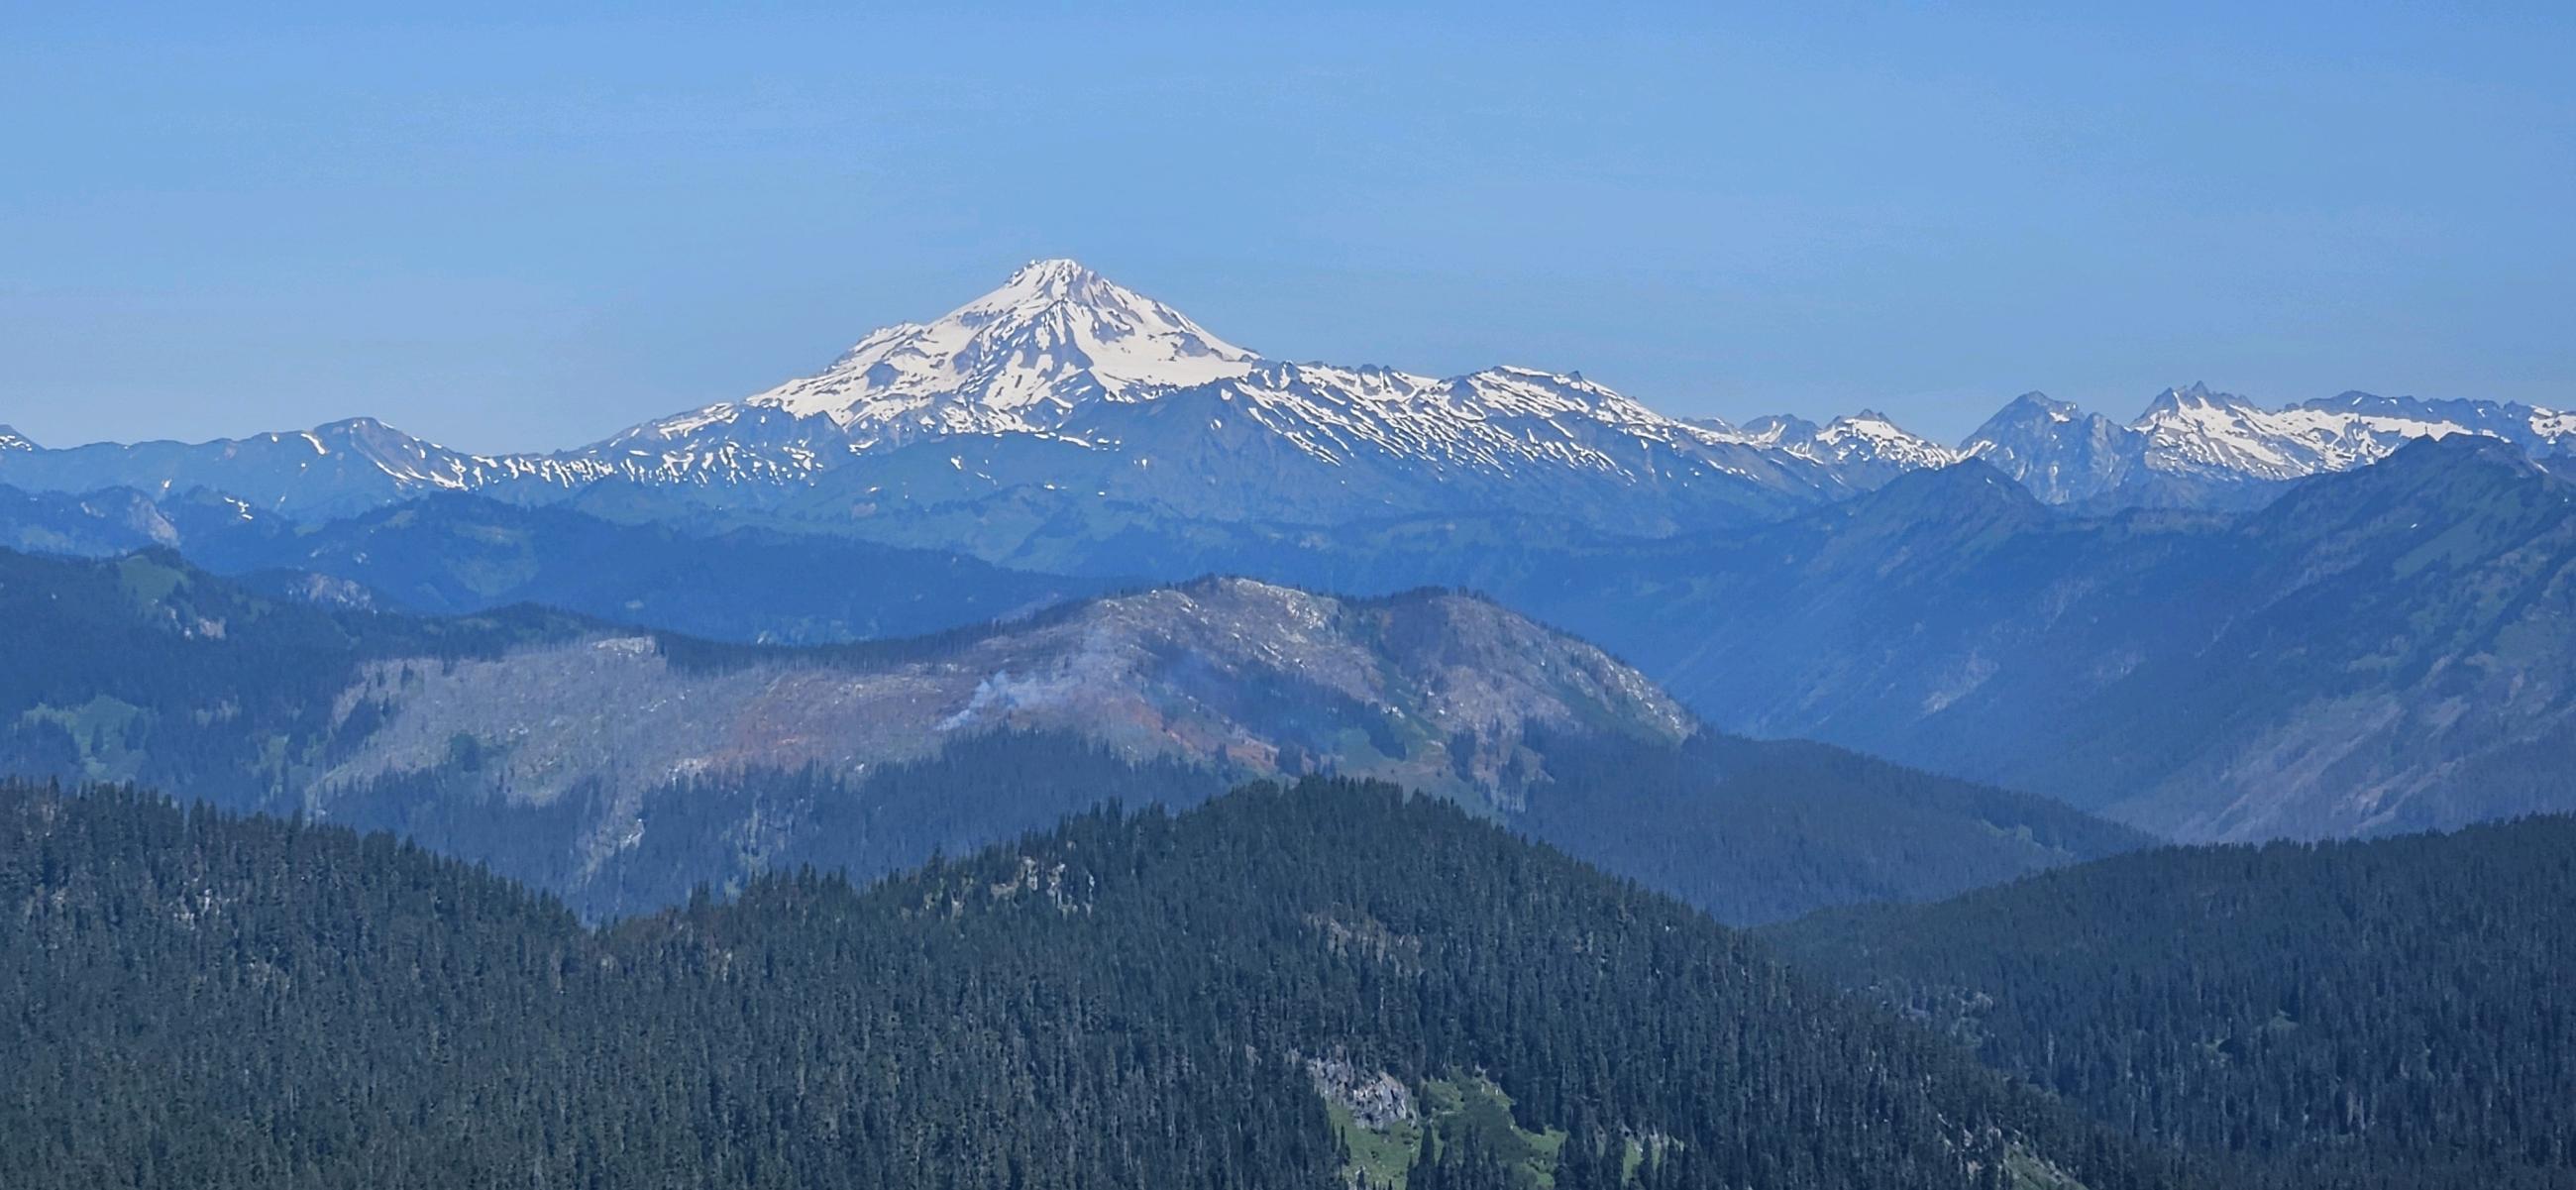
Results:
11 439
1865 448
1054 336
1113 389
2039 406
2194 444
2196 393
2055 448
1869 433
1063 382
2194 428
1771 429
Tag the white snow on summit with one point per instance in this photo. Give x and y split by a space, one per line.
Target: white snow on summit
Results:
2203 437
2188 428
1866 446
1061 353
1062 379
1870 434
1054 336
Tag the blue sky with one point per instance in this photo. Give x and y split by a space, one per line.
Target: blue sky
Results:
508 232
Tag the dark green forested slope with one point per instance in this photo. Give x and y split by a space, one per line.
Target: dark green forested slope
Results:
2401 1011
727 829
148 669
455 554
1750 831
189 999
1756 831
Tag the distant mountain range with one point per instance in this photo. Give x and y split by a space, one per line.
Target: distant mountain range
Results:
2194 447
1064 405
2375 650
2384 649
453 553
2213 622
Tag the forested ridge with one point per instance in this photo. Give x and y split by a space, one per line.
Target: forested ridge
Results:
2395 1012
1128 1000
1756 831
145 669
1749 831
727 829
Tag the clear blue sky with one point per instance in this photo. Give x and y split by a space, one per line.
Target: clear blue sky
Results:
507 233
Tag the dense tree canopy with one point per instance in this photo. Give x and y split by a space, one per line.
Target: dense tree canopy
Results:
2395 1012
1130 1000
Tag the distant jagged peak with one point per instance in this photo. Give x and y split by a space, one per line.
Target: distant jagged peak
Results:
2531 426
2196 394
11 439
2195 405
1867 436
2043 405
2033 411
1883 438
1767 430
